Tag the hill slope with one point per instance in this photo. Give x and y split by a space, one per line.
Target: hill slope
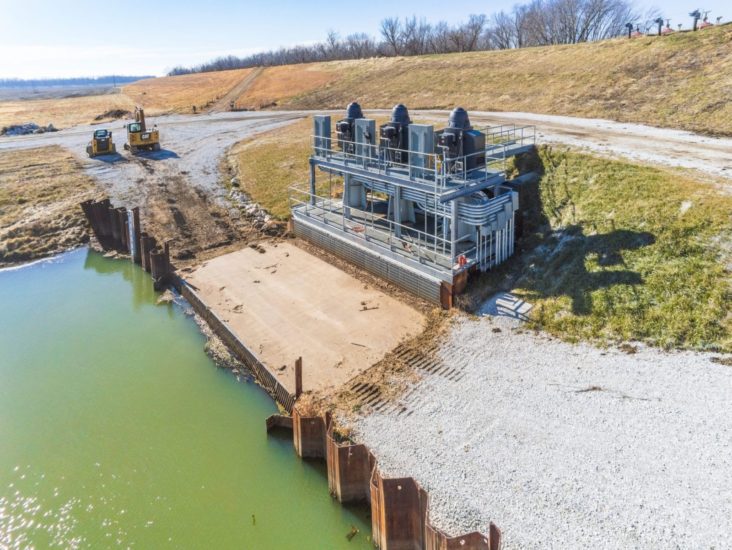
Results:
175 94
681 81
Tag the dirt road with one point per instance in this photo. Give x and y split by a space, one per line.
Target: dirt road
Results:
235 93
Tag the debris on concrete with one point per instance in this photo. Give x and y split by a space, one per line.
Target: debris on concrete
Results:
274 295
253 212
166 297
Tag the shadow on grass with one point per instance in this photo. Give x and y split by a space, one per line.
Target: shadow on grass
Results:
562 270
566 262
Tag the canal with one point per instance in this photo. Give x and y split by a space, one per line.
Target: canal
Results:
116 429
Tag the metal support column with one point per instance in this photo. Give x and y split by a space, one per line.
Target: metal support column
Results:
397 210
453 228
312 182
347 196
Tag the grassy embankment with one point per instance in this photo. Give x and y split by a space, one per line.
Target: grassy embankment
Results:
176 94
679 81
63 112
40 192
627 252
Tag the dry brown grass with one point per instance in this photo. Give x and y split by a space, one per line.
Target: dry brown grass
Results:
40 192
287 82
63 112
175 94
178 94
683 81
267 166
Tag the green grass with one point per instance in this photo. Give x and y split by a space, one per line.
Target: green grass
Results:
627 253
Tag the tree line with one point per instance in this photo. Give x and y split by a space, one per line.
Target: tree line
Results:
537 23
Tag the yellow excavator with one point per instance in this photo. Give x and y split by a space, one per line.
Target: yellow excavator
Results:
101 144
138 136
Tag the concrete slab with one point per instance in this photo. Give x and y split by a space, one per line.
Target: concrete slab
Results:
285 303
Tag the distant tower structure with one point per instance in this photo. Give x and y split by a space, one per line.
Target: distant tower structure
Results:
659 22
696 15
705 21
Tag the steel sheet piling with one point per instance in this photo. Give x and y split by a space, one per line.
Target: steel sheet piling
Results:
166 253
147 243
103 208
114 224
136 256
158 268
124 233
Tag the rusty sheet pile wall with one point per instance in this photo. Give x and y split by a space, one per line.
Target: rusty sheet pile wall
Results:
399 506
114 229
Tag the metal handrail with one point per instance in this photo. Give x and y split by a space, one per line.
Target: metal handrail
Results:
381 159
425 244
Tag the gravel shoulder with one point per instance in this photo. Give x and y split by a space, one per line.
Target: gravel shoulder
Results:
565 445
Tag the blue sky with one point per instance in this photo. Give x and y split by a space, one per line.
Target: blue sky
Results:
53 38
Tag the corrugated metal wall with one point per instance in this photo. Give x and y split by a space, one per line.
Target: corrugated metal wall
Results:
419 285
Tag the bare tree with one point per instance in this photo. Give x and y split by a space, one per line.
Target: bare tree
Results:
391 32
359 46
332 43
501 33
472 31
439 40
536 23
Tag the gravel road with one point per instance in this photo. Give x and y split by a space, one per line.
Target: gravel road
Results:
662 147
566 446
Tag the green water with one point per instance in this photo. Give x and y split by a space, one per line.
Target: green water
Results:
117 430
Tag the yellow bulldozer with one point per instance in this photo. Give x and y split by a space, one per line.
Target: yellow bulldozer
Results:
138 136
101 144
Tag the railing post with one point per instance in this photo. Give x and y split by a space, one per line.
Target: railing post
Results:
312 181
298 377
